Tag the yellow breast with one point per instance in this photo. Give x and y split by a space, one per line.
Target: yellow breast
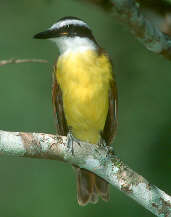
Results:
84 80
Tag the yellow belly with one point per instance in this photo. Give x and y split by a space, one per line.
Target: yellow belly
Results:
84 80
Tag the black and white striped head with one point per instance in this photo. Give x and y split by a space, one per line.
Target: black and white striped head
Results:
70 34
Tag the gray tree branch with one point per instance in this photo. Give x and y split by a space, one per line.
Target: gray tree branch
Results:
99 160
129 13
10 61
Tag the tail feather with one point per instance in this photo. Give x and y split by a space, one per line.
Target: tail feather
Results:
102 188
90 187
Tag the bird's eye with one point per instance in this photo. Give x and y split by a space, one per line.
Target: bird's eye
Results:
64 33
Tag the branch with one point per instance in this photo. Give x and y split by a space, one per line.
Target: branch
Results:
10 61
161 7
97 159
128 12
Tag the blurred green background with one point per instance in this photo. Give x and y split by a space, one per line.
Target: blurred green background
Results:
42 188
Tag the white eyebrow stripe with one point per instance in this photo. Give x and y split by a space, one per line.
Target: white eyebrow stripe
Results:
63 23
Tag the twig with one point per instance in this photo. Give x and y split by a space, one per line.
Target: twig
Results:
129 13
92 157
10 61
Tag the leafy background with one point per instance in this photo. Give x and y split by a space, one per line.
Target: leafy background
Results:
41 188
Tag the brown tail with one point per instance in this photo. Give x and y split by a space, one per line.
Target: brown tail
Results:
89 187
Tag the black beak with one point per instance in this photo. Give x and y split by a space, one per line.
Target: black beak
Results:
50 33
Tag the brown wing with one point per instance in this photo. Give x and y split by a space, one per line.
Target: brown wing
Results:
61 124
110 128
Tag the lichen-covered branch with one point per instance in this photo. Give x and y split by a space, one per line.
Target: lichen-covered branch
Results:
10 61
129 13
99 160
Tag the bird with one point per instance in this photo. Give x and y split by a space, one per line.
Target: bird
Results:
84 96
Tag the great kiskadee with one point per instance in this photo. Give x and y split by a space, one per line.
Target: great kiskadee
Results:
84 95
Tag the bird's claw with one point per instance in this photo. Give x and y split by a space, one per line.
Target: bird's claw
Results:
108 148
70 142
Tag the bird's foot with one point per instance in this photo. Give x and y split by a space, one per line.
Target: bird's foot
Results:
70 142
103 144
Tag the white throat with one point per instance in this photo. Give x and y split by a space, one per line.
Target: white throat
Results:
74 44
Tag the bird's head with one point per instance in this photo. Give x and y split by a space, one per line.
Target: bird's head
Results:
70 34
